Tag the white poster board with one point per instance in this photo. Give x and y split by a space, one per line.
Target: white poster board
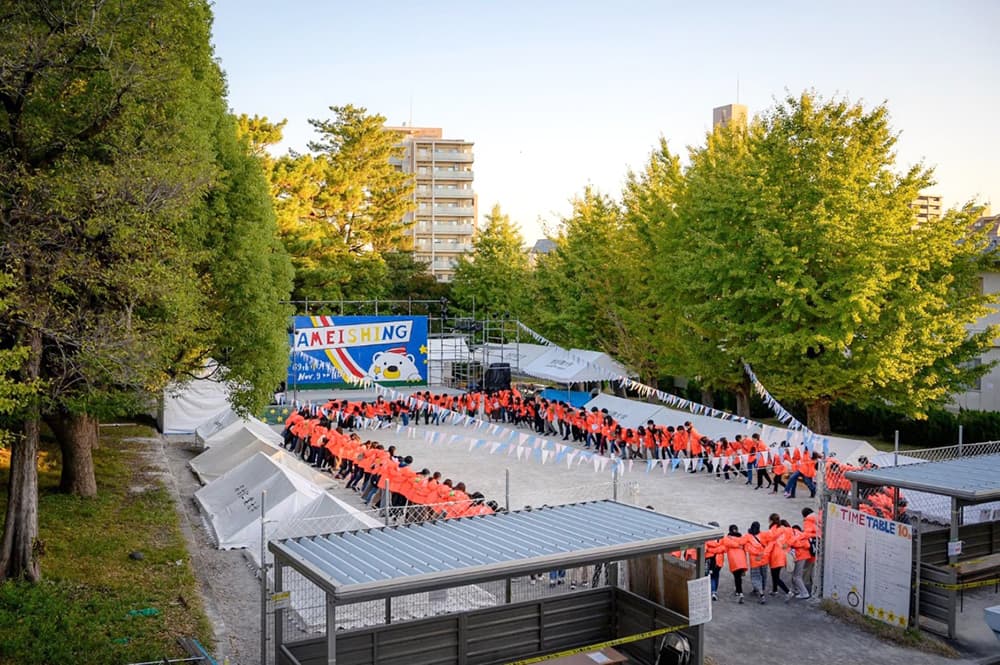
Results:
699 601
868 562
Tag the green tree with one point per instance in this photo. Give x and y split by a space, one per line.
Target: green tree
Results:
110 142
573 285
494 278
799 253
260 134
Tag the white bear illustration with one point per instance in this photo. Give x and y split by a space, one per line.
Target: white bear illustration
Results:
394 365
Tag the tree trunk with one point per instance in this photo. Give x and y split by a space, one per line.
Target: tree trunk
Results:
77 436
708 398
818 416
20 531
743 397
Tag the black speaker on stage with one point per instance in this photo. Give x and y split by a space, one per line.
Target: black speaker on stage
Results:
497 377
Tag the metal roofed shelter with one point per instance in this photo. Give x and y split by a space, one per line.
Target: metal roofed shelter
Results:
382 563
967 481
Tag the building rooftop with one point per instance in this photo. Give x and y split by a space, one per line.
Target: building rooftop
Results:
975 479
364 565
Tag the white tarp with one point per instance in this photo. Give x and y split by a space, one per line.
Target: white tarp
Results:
231 503
218 460
844 449
516 354
218 422
243 431
450 349
188 405
628 413
573 366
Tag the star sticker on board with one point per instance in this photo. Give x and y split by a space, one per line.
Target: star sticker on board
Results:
423 349
892 617
871 609
902 620
881 613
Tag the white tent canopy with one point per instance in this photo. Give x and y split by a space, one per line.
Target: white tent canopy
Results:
516 354
218 422
185 406
218 460
574 366
243 431
449 349
231 503
633 411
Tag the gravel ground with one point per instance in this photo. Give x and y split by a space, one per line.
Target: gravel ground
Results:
775 633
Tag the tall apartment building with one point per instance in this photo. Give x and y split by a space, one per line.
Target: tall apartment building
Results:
730 113
926 208
446 213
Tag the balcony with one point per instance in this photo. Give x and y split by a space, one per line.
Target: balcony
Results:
446 211
445 156
444 193
445 174
424 228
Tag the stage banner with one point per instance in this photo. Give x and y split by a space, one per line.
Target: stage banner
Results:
339 351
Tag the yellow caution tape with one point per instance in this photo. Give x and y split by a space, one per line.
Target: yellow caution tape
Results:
964 585
602 645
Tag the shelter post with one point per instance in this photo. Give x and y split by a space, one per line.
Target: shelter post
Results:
386 502
956 513
960 441
855 499
279 613
614 480
699 631
506 489
895 449
263 576
917 550
331 630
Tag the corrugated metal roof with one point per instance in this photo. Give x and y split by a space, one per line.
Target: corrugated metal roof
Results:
390 561
975 479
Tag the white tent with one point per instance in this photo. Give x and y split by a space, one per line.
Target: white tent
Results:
845 449
628 413
218 460
218 422
186 406
231 503
573 366
243 431
516 354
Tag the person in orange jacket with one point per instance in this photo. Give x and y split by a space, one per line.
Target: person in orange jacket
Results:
759 552
801 548
734 544
778 534
715 558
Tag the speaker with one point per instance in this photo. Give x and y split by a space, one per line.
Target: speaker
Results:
497 377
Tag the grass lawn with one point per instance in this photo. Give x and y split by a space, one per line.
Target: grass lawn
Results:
87 608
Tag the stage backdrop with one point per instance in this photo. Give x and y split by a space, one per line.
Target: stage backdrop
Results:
343 351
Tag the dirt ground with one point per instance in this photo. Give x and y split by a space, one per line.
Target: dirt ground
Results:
774 633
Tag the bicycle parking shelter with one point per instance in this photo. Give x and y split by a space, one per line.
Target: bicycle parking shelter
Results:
387 562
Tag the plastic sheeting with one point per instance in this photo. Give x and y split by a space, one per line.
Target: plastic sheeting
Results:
231 503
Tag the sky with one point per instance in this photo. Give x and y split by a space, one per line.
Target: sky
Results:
560 95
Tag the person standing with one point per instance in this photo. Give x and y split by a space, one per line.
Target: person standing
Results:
734 543
759 555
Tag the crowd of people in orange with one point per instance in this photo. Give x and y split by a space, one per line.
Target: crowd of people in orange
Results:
764 553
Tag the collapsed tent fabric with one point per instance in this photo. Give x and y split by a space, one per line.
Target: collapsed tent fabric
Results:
231 503
243 431
215 424
218 460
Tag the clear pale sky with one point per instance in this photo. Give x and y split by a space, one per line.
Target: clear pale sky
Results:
558 95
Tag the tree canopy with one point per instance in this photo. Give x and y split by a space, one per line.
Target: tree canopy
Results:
494 278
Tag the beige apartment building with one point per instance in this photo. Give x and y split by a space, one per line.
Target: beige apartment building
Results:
730 113
927 208
446 214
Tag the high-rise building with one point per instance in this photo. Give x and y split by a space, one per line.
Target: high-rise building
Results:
730 113
446 214
926 208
